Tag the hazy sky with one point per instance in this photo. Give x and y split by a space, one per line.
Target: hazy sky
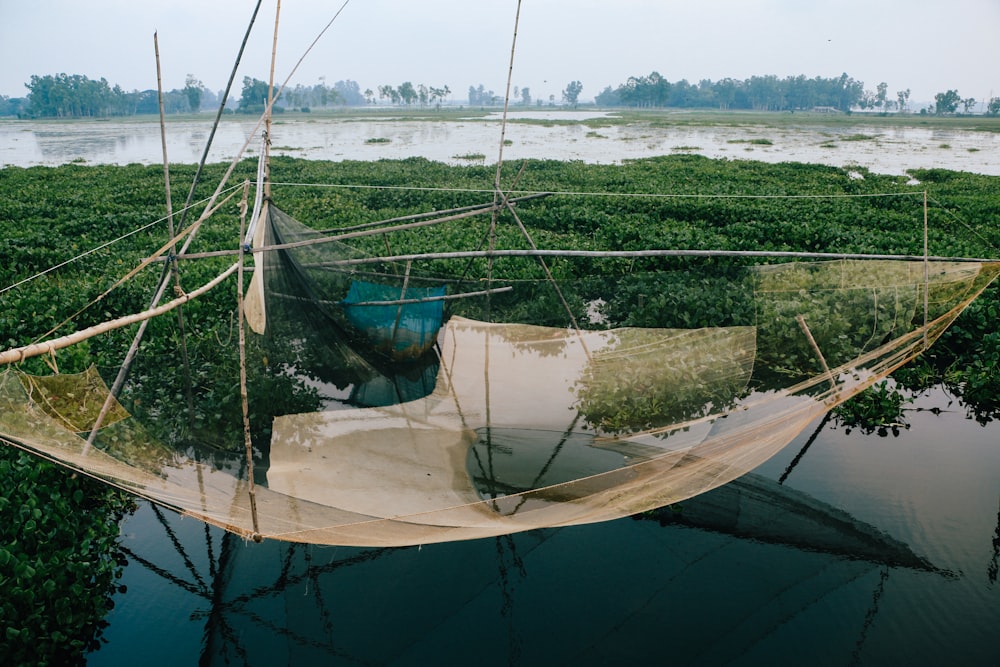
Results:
928 46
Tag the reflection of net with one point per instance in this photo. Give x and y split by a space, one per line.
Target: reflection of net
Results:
509 426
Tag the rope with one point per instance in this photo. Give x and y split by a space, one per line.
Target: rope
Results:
940 206
87 253
17 355
143 264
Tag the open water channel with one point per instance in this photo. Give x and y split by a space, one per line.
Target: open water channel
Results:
845 549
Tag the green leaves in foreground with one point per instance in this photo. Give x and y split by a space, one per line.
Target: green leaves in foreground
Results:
59 560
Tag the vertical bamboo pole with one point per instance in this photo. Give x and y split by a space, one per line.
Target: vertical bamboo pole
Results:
174 270
244 394
270 105
133 350
927 280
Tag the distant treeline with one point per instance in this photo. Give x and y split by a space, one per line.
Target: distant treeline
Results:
761 93
769 93
76 96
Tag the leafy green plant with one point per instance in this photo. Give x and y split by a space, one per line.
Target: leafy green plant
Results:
877 409
59 560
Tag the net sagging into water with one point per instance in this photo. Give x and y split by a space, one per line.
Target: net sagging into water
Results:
424 400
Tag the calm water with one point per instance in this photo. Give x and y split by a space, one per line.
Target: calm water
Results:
893 151
844 549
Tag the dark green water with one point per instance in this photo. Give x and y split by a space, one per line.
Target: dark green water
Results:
844 549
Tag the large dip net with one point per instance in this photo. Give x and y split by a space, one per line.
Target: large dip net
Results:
409 399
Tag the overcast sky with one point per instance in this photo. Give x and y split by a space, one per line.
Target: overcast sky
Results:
928 46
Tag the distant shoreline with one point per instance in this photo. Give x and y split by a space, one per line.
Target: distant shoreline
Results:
587 115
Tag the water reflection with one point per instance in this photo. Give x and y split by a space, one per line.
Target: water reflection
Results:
892 150
298 604
843 549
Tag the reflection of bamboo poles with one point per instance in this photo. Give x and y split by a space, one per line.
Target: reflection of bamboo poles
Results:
802 452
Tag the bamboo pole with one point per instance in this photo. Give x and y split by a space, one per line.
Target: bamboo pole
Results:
819 355
926 275
244 393
429 299
628 254
270 104
220 111
161 288
19 354
174 269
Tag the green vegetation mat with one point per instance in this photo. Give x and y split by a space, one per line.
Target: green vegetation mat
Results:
50 216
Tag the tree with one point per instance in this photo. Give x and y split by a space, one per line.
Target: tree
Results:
881 95
645 91
146 102
946 102
407 93
390 93
526 97
902 97
438 95
193 89
867 100
849 91
72 96
725 93
608 98
993 106
682 94
254 95
967 104
480 96
347 92
766 93
572 92
11 106
321 93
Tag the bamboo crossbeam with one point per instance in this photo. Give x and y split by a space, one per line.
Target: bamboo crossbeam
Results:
396 302
629 254
19 354
361 231
608 254
431 299
477 208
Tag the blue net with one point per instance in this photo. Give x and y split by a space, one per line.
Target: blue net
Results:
391 320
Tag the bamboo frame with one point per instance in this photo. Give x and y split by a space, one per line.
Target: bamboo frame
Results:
19 354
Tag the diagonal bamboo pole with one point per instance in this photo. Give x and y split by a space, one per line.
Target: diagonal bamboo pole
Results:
19 354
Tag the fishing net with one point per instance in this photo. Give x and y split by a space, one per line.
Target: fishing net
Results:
431 397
